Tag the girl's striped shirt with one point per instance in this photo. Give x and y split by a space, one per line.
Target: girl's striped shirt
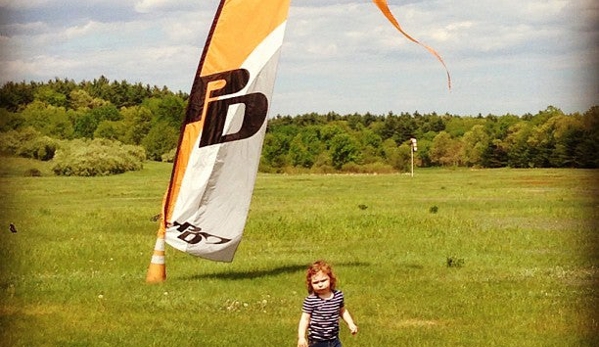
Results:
324 316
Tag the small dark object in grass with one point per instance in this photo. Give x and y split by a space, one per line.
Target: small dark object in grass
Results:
362 207
433 209
155 218
33 173
13 228
454 262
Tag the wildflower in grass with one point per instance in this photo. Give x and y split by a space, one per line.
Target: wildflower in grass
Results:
322 308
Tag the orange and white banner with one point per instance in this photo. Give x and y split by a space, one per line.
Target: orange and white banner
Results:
208 199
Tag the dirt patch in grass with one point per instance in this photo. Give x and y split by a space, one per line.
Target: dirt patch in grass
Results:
581 277
29 310
418 323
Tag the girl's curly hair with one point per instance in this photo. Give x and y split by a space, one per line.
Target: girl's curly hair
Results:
316 267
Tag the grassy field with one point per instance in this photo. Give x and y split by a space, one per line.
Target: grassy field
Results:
445 258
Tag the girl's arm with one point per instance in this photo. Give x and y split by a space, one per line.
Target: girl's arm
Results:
349 320
301 330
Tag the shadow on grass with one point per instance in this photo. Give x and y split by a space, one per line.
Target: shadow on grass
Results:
253 274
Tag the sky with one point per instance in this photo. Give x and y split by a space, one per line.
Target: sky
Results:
504 56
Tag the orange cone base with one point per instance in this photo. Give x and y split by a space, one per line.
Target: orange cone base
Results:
156 273
157 269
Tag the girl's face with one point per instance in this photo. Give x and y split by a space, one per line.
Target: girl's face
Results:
321 283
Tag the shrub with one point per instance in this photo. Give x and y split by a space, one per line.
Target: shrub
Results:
33 172
372 168
263 167
323 169
99 157
169 157
8 143
378 167
41 148
135 151
28 143
351 167
11 141
453 261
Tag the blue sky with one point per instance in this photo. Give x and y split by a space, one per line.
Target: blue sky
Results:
507 56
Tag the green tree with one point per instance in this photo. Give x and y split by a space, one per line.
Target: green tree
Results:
391 154
567 132
432 123
79 99
405 129
49 120
474 143
305 147
14 96
160 140
389 126
344 149
405 157
495 155
543 116
587 151
372 149
169 109
138 122
111 130
541 143
299 154
86 125
459 126
497 127
422 155
328 133
49 96
275 149
445 151
10 120
519 152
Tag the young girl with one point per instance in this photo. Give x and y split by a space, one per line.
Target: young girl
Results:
322 308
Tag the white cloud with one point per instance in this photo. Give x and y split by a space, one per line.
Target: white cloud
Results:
338 55
40 68
20 4
33 4
147 6
30 28
82 30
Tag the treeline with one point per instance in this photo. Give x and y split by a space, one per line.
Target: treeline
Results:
133 114
549 138
36 119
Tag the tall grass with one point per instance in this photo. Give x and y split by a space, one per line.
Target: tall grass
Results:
445 258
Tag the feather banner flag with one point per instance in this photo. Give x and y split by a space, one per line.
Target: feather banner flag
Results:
207 202
208 198
384 7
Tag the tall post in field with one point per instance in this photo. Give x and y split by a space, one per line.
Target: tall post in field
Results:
414 148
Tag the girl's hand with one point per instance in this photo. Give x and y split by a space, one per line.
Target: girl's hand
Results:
301 342
353 328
